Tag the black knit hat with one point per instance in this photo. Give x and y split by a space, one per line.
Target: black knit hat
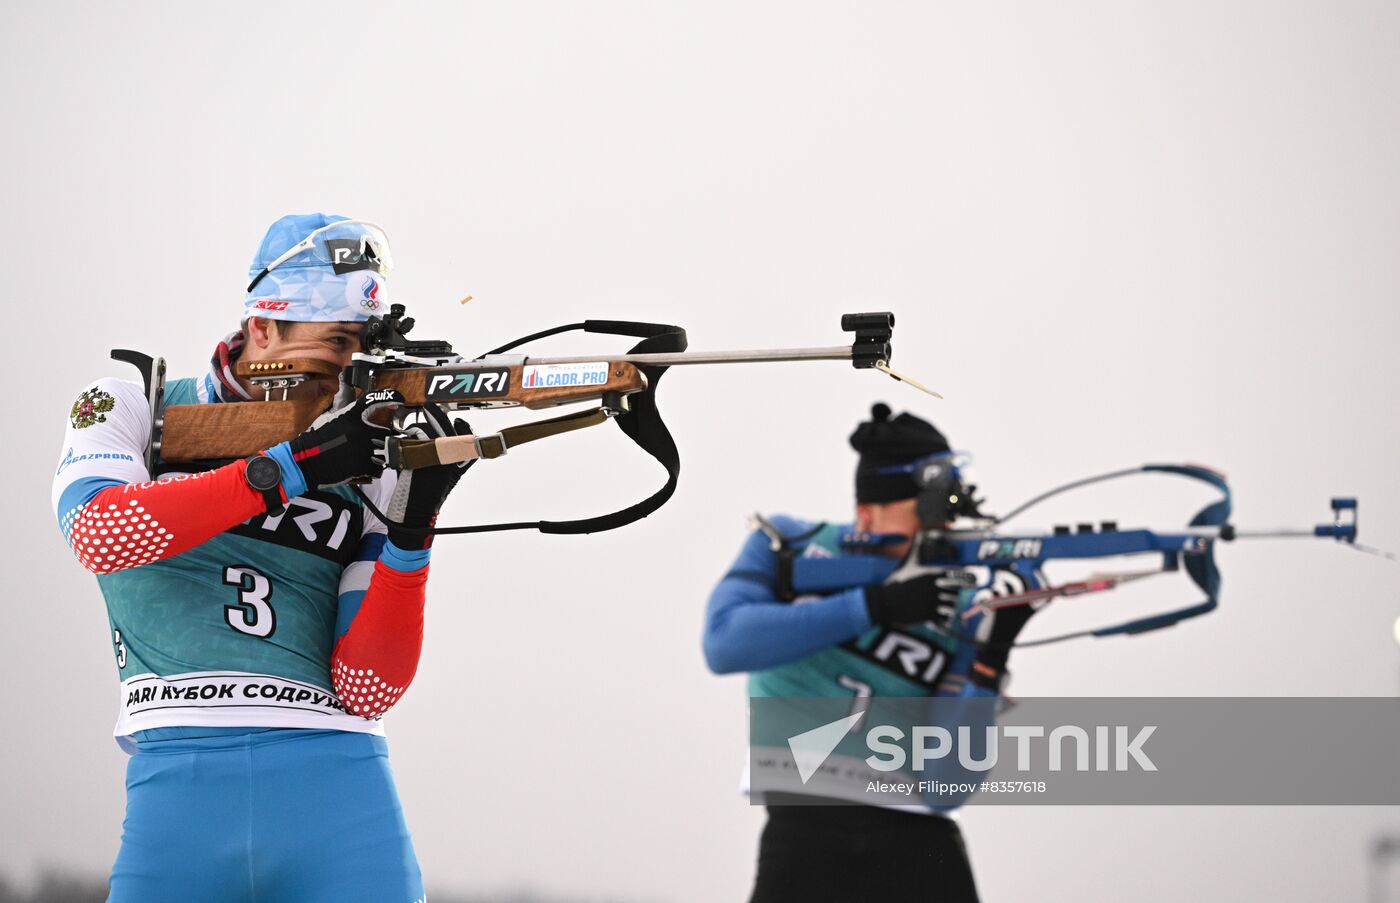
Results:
882 442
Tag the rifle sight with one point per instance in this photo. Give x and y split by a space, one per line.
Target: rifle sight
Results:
389 333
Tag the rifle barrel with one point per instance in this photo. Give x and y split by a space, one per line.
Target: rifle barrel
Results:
768 355
1280 533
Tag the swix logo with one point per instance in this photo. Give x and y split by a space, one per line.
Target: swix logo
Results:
370 289
382 395
269 304
1008 548
473 384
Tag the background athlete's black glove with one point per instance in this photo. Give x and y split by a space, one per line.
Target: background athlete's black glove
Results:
989 667
343 445
927 597
420 492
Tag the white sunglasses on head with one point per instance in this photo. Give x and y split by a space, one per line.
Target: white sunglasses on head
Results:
373 243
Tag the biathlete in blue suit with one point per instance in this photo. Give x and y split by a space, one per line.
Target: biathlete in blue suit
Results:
888 629
262 620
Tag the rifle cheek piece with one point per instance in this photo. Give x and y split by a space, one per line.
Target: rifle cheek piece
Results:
359 374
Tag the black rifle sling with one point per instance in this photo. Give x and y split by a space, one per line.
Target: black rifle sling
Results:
642 424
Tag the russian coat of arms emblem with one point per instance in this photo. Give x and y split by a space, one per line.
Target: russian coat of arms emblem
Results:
91 407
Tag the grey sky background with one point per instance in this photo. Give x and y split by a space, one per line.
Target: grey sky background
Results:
1112 233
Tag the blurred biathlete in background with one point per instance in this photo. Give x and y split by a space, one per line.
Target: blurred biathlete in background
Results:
262 621
794 645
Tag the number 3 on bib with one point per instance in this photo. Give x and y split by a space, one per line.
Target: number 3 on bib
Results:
251 614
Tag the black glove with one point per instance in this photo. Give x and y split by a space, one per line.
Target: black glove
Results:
989 666
420 492
928 597
343 444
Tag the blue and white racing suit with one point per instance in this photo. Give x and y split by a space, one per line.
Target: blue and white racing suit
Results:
256 655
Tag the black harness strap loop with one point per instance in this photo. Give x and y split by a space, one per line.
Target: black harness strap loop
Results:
642 424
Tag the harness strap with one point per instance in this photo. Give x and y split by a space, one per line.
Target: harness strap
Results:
787 551
410 454
642 423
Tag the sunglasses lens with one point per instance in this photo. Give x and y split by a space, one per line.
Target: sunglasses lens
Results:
350 247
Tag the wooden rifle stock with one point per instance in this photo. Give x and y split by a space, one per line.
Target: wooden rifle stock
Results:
489 385
204 432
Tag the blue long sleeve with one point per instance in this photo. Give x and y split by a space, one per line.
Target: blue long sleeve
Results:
748 629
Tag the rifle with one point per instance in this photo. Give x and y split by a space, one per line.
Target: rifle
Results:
1011 563
430 372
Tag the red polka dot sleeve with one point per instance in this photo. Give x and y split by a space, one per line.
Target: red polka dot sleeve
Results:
374 662
138 523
